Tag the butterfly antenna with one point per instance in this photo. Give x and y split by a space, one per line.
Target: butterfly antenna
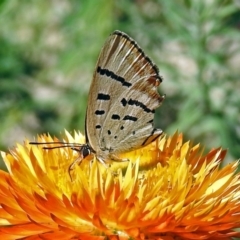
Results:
61 145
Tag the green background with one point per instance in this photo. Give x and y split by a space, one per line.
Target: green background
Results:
48 51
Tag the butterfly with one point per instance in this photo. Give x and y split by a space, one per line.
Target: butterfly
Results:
122 100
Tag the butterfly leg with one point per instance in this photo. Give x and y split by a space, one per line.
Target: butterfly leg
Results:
102 161
106 156
117 159
71 167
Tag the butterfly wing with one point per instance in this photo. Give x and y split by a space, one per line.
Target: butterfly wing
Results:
129 123
123 97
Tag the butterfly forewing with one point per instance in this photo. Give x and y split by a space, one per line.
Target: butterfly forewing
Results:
123 97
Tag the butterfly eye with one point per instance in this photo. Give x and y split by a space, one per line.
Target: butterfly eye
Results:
85 151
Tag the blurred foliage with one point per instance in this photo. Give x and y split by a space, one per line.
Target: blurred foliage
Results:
49 50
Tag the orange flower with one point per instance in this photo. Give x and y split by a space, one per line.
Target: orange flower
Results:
168 190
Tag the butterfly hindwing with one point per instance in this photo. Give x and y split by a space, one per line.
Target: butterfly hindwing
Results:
129 123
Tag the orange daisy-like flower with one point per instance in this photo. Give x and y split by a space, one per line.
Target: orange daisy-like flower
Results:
167 190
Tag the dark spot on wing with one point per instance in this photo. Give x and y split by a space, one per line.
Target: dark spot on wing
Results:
131 118
103 96
115 117
137 104
124 102
113 76
99 112
151 121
